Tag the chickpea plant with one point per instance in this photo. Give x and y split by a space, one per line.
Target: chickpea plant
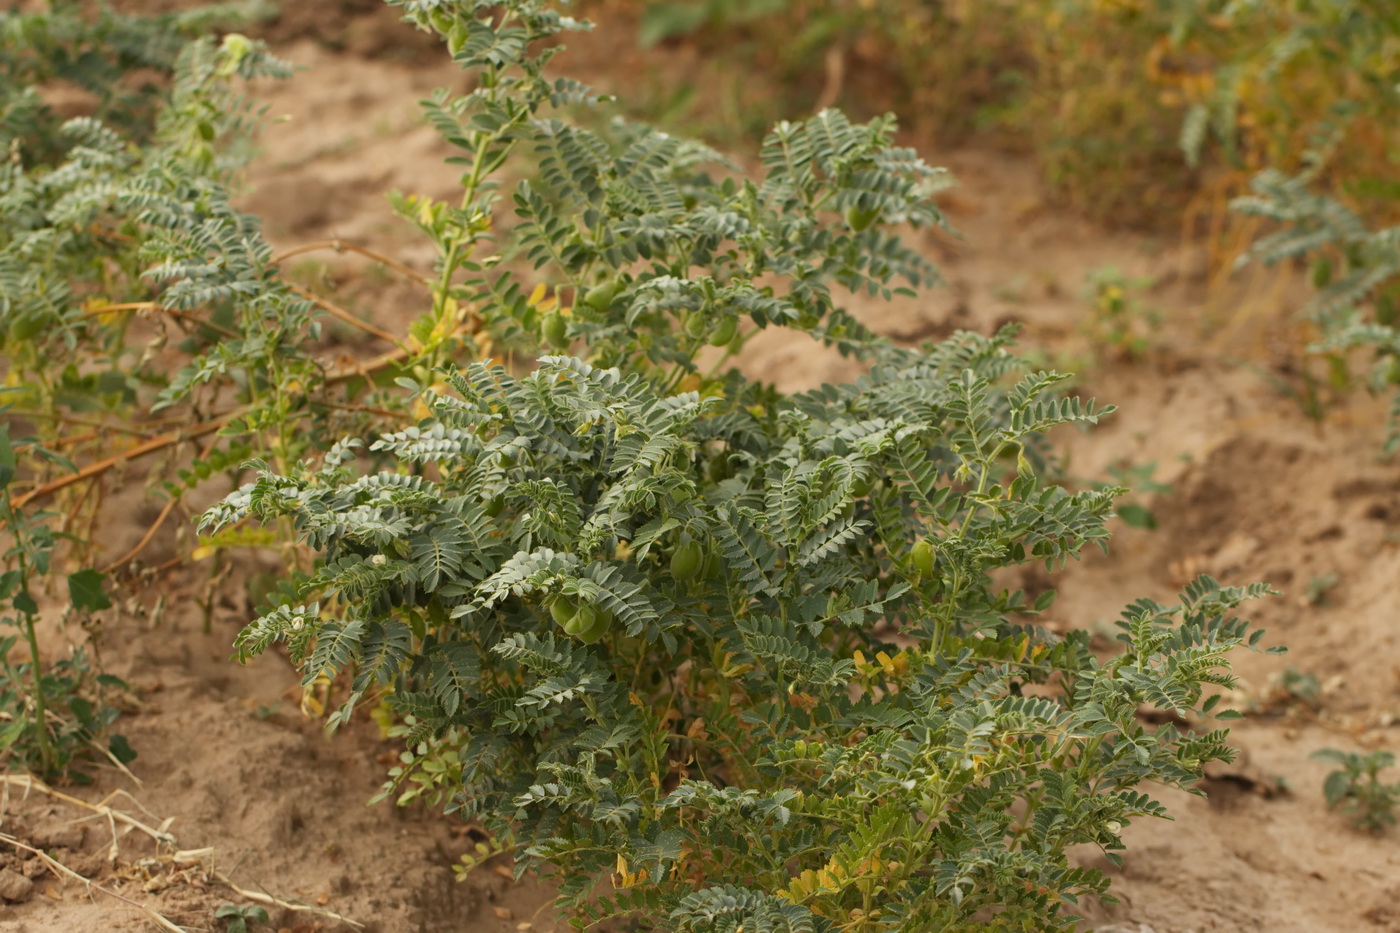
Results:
734 651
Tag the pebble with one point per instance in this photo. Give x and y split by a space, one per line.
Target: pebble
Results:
15 887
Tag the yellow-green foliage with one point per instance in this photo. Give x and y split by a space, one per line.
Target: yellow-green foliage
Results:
1134 107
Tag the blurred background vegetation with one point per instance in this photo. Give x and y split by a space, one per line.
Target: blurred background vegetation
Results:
1141 113
1253 130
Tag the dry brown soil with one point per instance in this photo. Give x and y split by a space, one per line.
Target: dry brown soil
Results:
1258 492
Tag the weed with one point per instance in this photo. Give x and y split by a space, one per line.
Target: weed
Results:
1357 790
1319 587
238 918
141 316
1356 271
1120 321
1293 688
1138 479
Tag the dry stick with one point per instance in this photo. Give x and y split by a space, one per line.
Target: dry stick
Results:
162 441
365 409
59 868
159 442
31 783
146 538
173 312
340 246
68 441
341 313
89 422
365 369
271 901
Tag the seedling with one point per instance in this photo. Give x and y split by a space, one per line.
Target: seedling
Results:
1319 587
1120 321
1356 789
238 918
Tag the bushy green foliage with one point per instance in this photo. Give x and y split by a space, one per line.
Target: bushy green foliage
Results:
122 63
134 299
654 620
1354 267
1137 110
87 205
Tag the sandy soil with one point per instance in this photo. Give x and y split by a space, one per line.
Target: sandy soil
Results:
1258 492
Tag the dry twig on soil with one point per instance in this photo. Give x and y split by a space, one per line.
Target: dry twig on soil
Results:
62 870
162 837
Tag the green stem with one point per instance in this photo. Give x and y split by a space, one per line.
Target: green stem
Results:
41 716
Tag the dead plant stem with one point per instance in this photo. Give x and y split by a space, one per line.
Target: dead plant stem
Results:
340 246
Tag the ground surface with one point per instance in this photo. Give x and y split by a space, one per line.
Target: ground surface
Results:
1258 492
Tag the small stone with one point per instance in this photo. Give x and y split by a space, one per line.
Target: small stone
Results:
502 913
14 887
57 836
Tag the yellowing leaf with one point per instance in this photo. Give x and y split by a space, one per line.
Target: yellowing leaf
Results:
426 214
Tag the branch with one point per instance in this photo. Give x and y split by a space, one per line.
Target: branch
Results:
340 246
173 312
59 868
146 538
341 313
159 442
28 782
271 901
94 422
31 783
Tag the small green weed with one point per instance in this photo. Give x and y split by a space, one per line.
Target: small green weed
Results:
238 918
1293 688
1120 320
1319 587
1137 478
1356 273
1357 790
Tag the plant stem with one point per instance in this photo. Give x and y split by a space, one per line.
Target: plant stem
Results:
41 714
340 246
